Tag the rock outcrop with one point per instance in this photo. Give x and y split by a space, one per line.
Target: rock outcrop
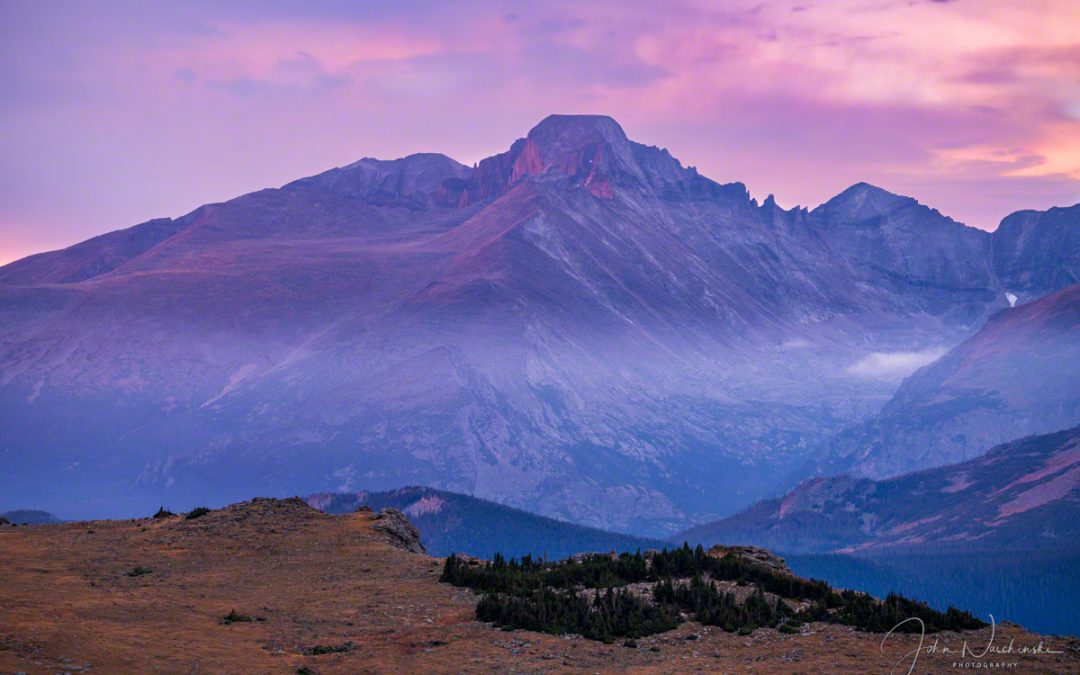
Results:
402 533
754 555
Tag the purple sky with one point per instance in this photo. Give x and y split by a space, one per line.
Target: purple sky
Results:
115 112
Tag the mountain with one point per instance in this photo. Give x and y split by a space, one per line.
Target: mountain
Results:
579 326
453 523
30 517
1017 376
1020 496
1036 250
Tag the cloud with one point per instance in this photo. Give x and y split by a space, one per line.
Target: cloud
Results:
894 365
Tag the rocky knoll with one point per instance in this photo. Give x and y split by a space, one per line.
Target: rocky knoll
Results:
402 533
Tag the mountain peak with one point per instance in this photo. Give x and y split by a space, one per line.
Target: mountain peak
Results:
863 191
863 200
573 132
592 151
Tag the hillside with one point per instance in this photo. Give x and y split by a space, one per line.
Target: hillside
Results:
579 326
30 517
1023 495
1015 377
332 594
454 523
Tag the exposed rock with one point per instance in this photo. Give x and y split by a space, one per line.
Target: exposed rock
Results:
754 555
402 533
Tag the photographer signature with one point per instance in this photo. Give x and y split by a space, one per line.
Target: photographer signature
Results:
911 658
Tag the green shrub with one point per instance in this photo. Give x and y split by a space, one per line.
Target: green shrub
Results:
139 571
197 513
235 617
328 649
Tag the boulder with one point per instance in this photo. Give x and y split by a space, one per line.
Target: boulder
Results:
402 533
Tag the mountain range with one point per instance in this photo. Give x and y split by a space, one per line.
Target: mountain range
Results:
1020 496
451 523
579 326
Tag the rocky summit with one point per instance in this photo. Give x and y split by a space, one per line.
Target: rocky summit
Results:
579 326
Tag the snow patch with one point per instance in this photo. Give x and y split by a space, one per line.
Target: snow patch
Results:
234 379
1011 297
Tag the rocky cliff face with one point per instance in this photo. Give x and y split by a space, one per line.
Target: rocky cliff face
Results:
1037 250
580 326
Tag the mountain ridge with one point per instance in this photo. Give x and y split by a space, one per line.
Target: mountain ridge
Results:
1021 495
604 336
454 523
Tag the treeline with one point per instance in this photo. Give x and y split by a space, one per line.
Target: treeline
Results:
587 596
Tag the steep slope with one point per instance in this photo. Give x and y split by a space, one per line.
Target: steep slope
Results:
579 326
92 257
455 523
1023 495
1017 376
1037 250
884 237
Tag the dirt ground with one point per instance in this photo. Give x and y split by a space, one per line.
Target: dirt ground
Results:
72 600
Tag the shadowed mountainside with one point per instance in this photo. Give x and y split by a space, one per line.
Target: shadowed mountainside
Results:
1017 376
455 523
1022 495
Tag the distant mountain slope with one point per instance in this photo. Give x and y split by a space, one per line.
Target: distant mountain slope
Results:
92 257
30 517
1036 588
1019 375
579 326
454 523
1037 250
1022 495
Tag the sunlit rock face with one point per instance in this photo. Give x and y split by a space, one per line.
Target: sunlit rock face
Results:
579 326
